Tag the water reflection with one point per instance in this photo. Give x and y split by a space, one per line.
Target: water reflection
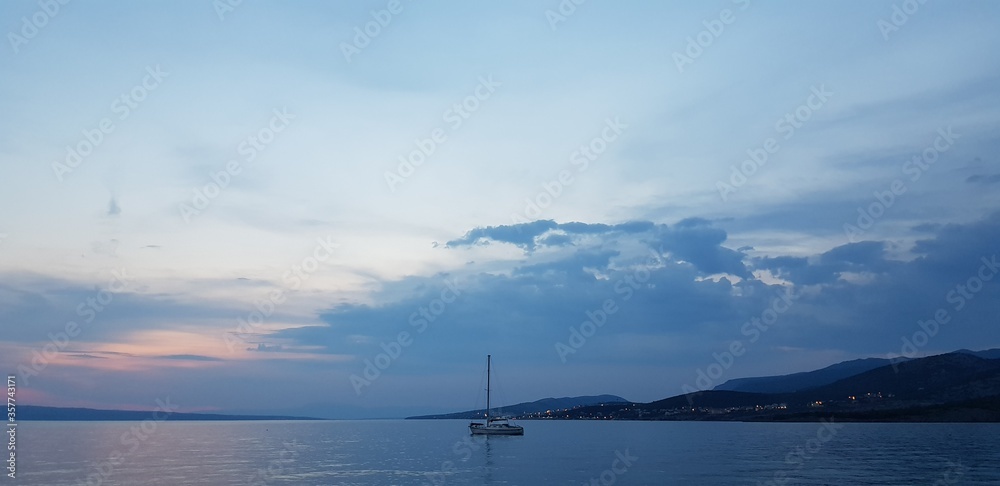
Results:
557 452
487 468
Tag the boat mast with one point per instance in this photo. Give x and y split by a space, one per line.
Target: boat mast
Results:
487 389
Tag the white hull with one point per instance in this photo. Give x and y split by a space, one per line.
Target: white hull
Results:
480 429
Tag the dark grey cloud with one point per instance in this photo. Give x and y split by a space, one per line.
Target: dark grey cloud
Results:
865 253
578 263
529 236
828 267
983 179
858 300
653 274
693 240
522 235
927 227
557 240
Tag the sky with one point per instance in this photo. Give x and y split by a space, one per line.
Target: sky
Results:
339 209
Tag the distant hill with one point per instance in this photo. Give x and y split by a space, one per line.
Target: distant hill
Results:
988 354
959 386
805 380
814 379
34 412
536 407
939 379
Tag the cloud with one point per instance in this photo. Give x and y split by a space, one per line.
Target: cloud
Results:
864 257
695 240
861 253
267 348
555 239
850 291
653 273
983 179
530 236
37 304
584 262
668 315
853 299
189 357
521 235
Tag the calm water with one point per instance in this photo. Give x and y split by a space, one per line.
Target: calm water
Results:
550 452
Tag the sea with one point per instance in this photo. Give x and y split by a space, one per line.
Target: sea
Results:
551 452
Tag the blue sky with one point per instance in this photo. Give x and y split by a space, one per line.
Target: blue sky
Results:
487 178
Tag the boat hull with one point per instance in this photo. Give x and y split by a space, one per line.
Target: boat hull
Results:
496 430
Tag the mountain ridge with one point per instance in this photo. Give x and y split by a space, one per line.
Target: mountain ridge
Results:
957 386
962 385
805 379
537 406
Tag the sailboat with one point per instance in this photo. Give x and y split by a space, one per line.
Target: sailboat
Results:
494 425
